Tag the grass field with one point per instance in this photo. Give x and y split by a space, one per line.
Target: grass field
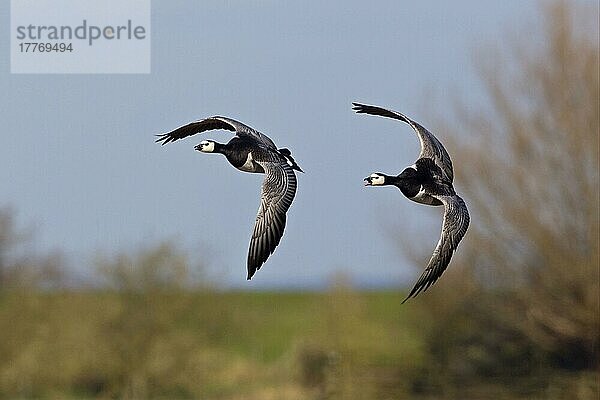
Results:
339 344
213 345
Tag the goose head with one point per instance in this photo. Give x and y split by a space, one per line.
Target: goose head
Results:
206 146
375 179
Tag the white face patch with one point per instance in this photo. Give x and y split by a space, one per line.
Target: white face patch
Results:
376 180
207 146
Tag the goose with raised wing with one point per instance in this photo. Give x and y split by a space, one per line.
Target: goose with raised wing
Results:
428 181
254 152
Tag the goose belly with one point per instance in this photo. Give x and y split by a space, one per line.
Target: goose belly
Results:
250 165
423 198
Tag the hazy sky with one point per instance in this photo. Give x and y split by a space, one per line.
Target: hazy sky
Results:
78 158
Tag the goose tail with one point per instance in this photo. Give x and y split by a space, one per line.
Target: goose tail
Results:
287 154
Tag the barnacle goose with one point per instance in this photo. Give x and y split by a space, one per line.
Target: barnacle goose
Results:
252 151
428 181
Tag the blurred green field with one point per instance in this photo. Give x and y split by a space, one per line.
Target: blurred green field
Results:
203 345
340 344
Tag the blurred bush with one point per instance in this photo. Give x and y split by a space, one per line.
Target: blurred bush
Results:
518 311
20 266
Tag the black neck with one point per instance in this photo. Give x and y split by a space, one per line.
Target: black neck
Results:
220 148
407 185
393 180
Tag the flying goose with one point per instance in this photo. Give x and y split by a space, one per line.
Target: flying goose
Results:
252 151
428 181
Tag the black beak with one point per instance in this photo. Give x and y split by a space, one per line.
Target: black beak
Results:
367 181
198 147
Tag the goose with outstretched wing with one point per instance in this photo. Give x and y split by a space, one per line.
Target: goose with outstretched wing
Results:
428 181
254 152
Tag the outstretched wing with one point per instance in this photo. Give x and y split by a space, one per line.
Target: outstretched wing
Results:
454 227
278 191
212 123
431 147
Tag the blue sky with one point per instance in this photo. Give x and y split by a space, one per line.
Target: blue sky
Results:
78 158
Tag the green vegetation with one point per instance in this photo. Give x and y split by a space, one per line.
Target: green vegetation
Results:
197 345
340 344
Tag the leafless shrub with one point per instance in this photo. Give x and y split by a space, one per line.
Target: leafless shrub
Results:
529 171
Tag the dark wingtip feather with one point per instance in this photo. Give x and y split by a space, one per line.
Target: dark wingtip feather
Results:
411 294
251 271
424 283
359 108
163 139
253 266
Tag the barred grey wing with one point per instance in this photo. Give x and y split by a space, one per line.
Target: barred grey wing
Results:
454 227
278 191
